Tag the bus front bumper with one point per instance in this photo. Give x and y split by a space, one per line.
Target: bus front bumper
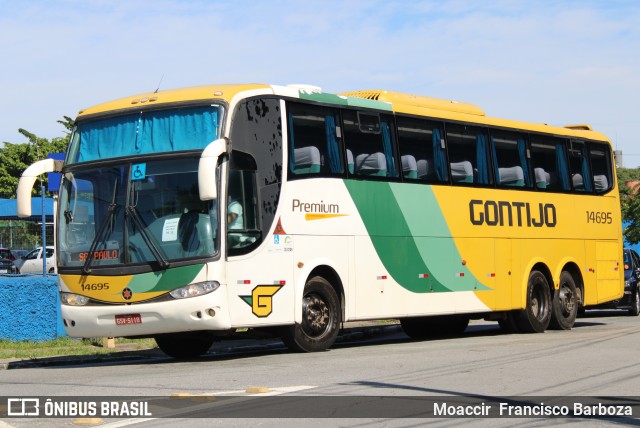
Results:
208 312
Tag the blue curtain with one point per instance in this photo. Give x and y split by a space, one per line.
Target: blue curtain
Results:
439 158
481 158
333 150
292 155
494 155
148 132
522 153
562 168
388 152
586 177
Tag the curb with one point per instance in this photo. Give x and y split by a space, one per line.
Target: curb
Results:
347 334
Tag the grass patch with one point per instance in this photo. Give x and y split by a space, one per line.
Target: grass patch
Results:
68 346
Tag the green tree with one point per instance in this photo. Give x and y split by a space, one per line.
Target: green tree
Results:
628 181
15 158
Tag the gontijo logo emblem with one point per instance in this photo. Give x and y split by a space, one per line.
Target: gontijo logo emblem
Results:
261 299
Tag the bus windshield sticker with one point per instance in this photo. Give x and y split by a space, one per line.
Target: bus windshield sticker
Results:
170 230
138 171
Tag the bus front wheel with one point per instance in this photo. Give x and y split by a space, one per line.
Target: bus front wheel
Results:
185 345
565 303
320 319
536 315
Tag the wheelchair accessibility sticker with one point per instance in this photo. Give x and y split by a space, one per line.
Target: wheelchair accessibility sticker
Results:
281 243
138 171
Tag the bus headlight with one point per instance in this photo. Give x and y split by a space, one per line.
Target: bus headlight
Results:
193 290
71 299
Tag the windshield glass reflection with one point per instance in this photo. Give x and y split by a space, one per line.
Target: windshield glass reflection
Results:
133 213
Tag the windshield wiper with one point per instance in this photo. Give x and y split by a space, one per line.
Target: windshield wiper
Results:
131 210
86 268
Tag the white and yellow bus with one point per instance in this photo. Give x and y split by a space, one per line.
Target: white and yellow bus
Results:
189 214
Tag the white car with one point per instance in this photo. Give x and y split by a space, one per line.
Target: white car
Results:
32 262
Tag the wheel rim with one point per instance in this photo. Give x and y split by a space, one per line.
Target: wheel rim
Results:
566 299
538 303
316 315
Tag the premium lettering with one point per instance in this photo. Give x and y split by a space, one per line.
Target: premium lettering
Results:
314 207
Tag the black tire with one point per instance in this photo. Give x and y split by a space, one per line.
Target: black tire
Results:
449 325
185 345
424 327
634 309
415 328
536 315
320 319
565 304
509 324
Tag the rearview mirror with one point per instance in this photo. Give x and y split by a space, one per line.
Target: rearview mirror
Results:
27 180
207 168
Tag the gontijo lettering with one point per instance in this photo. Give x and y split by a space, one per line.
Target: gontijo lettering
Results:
520 214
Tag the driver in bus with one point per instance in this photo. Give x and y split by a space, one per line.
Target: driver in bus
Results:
234 216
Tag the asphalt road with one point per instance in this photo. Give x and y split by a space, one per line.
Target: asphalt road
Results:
599 357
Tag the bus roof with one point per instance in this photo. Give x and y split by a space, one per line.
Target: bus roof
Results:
377 99
196 93
465 112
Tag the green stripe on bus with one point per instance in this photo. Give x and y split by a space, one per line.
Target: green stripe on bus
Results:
166 280
344 101
411 243
322 97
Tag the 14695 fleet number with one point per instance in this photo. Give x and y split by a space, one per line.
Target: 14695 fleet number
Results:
599 217
95 287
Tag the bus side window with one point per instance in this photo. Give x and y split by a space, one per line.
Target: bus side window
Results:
549 163
468 150
257 131
422 150
600 157
370 139
511 162
315 146
579 165
243 229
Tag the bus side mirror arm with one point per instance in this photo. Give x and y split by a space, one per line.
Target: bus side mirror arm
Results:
207 167
28 179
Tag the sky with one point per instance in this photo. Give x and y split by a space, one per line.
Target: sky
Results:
556 62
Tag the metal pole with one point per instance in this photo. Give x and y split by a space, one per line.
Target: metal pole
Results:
44 234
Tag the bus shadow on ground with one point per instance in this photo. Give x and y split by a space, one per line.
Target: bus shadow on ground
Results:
249 348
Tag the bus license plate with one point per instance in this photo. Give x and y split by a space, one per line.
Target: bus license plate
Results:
128 319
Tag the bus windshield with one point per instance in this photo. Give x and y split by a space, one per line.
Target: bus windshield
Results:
135 212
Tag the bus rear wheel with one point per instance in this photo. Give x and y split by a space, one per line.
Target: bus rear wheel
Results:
185 345
536 315
565 303
320 319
